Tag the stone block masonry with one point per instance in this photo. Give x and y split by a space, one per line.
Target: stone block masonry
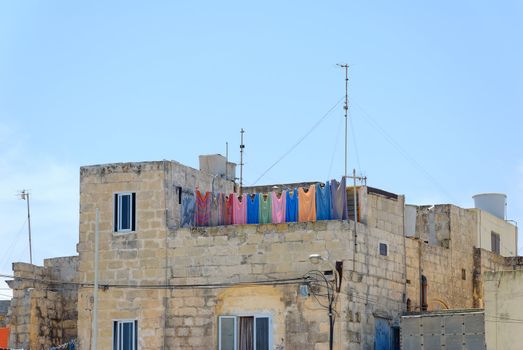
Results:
176 283
44 305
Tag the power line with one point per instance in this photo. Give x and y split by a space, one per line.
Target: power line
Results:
335 148
403 152
300 140
355 143
296 280
12 245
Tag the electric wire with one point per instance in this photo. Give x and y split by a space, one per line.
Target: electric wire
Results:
300 140
403 152
296 280
355 143
12 245
335 148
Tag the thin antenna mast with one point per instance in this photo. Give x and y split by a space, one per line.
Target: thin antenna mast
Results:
242 146
24 194
346 108
226 159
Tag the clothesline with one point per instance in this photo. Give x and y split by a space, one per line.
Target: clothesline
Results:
317 202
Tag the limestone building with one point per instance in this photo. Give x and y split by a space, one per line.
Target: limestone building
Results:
164 286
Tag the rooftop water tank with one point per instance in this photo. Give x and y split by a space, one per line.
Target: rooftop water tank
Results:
493 203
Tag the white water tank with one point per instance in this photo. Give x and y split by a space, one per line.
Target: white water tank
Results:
493 203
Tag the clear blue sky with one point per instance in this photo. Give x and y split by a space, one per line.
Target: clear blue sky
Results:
436 97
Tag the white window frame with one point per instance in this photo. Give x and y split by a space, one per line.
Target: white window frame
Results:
379 250
119 324
119 215
237 328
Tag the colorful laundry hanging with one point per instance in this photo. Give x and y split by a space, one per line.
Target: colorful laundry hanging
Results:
217 209
228 209
203 209
265 216
239 210
253 208
291 206
307 204
278 207
187 209
323 202
339 200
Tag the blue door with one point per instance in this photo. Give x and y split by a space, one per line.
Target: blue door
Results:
382 339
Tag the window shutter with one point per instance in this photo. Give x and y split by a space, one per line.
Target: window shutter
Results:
115 335
133 212
227 333
262 333
115 212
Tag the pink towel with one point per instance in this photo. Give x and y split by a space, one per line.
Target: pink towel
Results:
239 210
278 208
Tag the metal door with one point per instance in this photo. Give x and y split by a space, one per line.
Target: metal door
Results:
382 338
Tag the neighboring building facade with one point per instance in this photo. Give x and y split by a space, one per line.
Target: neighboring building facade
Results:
44 305
444 253
504 309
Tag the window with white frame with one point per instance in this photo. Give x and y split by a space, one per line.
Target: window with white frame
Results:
125 212
384 249
125 335
251 332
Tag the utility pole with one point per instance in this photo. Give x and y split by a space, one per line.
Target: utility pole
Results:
242 146
24 194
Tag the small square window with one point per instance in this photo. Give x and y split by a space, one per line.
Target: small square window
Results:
125 212
384 249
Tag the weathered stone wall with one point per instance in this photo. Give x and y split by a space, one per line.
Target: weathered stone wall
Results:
44 304
136 257
135 268
250 254
443 251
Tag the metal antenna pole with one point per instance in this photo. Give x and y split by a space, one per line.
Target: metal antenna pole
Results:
242 146
24 194
346 108
355 213
226 159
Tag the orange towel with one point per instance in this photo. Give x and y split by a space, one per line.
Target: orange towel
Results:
307 204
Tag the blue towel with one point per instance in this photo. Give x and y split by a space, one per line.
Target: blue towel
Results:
291 206
253 208
323 202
